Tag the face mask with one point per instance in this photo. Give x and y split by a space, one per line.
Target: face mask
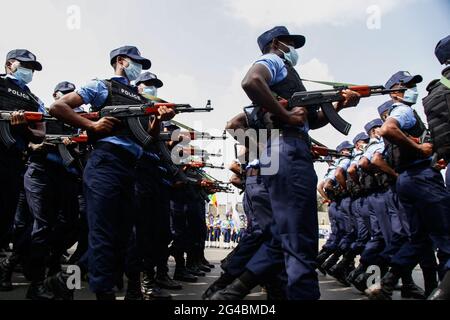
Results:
151 91
291 56
23 74
133 70
411 96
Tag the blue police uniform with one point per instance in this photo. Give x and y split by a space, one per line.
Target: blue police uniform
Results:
109 188
294 244
345 209
12 166
428 216
362 216
257 207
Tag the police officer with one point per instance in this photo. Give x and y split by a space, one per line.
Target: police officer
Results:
51 189
360 216
294 245
347 218
375 207
109 178
153 211
440 107
428 215
15 96
327 189
148 84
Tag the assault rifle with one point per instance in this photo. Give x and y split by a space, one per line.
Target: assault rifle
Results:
60 142
323 99
192 135
202 165
132 113
195 152
5 124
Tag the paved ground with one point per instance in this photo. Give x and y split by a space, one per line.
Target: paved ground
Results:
330 289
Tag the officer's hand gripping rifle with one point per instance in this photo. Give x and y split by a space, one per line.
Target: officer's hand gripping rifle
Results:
60 142
324 99
5 124
132 113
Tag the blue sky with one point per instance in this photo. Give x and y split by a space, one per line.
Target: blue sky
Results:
201 49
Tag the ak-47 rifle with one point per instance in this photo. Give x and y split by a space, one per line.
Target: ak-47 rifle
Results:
323 99
191 151
192 135
60 142
202 165
131 114
5 124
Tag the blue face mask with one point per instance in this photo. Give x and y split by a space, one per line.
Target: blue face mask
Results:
133 70
411 96
151 91
23 74
292 56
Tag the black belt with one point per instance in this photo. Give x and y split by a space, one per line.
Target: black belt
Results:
121 152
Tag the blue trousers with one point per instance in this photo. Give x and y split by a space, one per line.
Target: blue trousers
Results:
109 181
257 208
152 216
295 234
362 225
336 233
52 197
350 231
426 201
377 243
11 183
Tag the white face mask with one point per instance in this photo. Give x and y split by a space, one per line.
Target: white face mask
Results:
133 70
292 56
23 74
411 96
151 91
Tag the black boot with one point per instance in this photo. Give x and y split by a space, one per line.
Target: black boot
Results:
331 262
6 271
134 290
443 291
166 282
341 270
37 291
220 284
234 292
324 254
360 282
57 284
384 290
151 290
409 289
192 265
430 280
355 273
181 274
206 262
